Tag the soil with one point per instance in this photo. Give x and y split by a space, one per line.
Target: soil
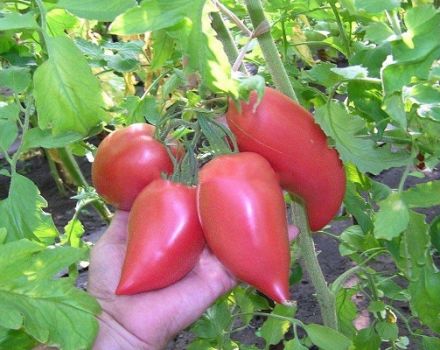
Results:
62 209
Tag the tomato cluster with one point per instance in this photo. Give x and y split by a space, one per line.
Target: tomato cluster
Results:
238 206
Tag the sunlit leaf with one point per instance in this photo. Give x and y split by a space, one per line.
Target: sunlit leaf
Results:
67 94
94 9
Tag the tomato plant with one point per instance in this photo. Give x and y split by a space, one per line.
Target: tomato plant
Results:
164 237
242 213
287 136
126 161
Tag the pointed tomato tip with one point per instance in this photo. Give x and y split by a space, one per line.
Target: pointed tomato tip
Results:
121 290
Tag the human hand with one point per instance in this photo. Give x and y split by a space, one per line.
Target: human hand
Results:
149 320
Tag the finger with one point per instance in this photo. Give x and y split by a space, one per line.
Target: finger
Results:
117 230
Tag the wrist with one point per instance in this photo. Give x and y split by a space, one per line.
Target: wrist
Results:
113 336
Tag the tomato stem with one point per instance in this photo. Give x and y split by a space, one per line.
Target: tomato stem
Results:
226 39
72 167
270 51
326 299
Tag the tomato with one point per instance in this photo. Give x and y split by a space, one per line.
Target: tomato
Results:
242 212
165 238
286 135
126 161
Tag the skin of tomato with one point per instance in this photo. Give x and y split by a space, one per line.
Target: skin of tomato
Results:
286 135
126 161
241 209
165 238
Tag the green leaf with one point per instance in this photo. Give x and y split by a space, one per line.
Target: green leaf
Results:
387 331
35 137
17 21
375 6
434 232
10 112
358 207
367 99
15 78
324 75
41 305
15 339
94 9
22 213
3 234
378 32
214 134
425 303
428 97
201 344
66 74
346 311
414 247
274 329
376 306
163 46
294 344
367 339
345 130
396 75
414 54
423 195
215 320
327 338
392 217
152 15
430 343
354 240
248 302
205 52
8 134
351 72
371 57
73 232
392 290
423 94
393 105
206 56
59 21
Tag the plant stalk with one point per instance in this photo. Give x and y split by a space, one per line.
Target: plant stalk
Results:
341 28
326 299
74 170
55 174
270 51
226 39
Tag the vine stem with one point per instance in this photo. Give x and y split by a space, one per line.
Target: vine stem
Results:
74 170
270 51
225 38
326 298
232 17
341 27
25 128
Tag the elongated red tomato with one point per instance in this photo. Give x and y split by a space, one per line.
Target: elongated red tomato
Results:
242 212
165 238
126 161
286 135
